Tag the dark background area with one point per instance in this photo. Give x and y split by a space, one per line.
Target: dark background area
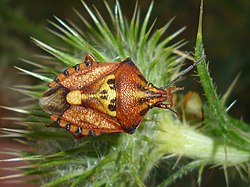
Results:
226 33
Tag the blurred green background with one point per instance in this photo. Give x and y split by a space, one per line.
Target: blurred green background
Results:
226 31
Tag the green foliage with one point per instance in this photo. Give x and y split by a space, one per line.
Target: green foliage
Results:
122 159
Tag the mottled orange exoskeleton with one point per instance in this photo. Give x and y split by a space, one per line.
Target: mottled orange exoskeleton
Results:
92 98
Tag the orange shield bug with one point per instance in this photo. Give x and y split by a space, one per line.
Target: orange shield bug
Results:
92 98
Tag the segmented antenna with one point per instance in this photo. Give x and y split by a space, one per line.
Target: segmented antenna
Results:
185 71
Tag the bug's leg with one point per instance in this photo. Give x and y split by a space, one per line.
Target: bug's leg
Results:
166 106
170 99
90 60
170 95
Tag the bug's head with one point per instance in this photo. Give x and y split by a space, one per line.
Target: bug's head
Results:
159 97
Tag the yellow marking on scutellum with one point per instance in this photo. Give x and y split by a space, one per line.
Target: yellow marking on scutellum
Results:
74 97
77 97
110 95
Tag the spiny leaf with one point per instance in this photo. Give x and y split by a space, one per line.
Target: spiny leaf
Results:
95 35
131 34
99 166
19 110
154 39
119 18
143 32
43 78
65 58
145 22
70 39
35 94
107 34
169 38
229 90
182 171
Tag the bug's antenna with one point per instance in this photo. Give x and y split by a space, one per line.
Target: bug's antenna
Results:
185 71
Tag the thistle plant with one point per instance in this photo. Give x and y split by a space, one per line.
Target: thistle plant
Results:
122 159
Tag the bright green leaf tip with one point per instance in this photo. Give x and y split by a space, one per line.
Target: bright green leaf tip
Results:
231 141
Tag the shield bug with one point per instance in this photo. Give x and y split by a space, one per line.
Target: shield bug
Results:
92 98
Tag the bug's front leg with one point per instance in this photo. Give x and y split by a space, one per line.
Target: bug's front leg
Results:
166 106
170 99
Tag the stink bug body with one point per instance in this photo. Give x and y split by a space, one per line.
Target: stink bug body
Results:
92 98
